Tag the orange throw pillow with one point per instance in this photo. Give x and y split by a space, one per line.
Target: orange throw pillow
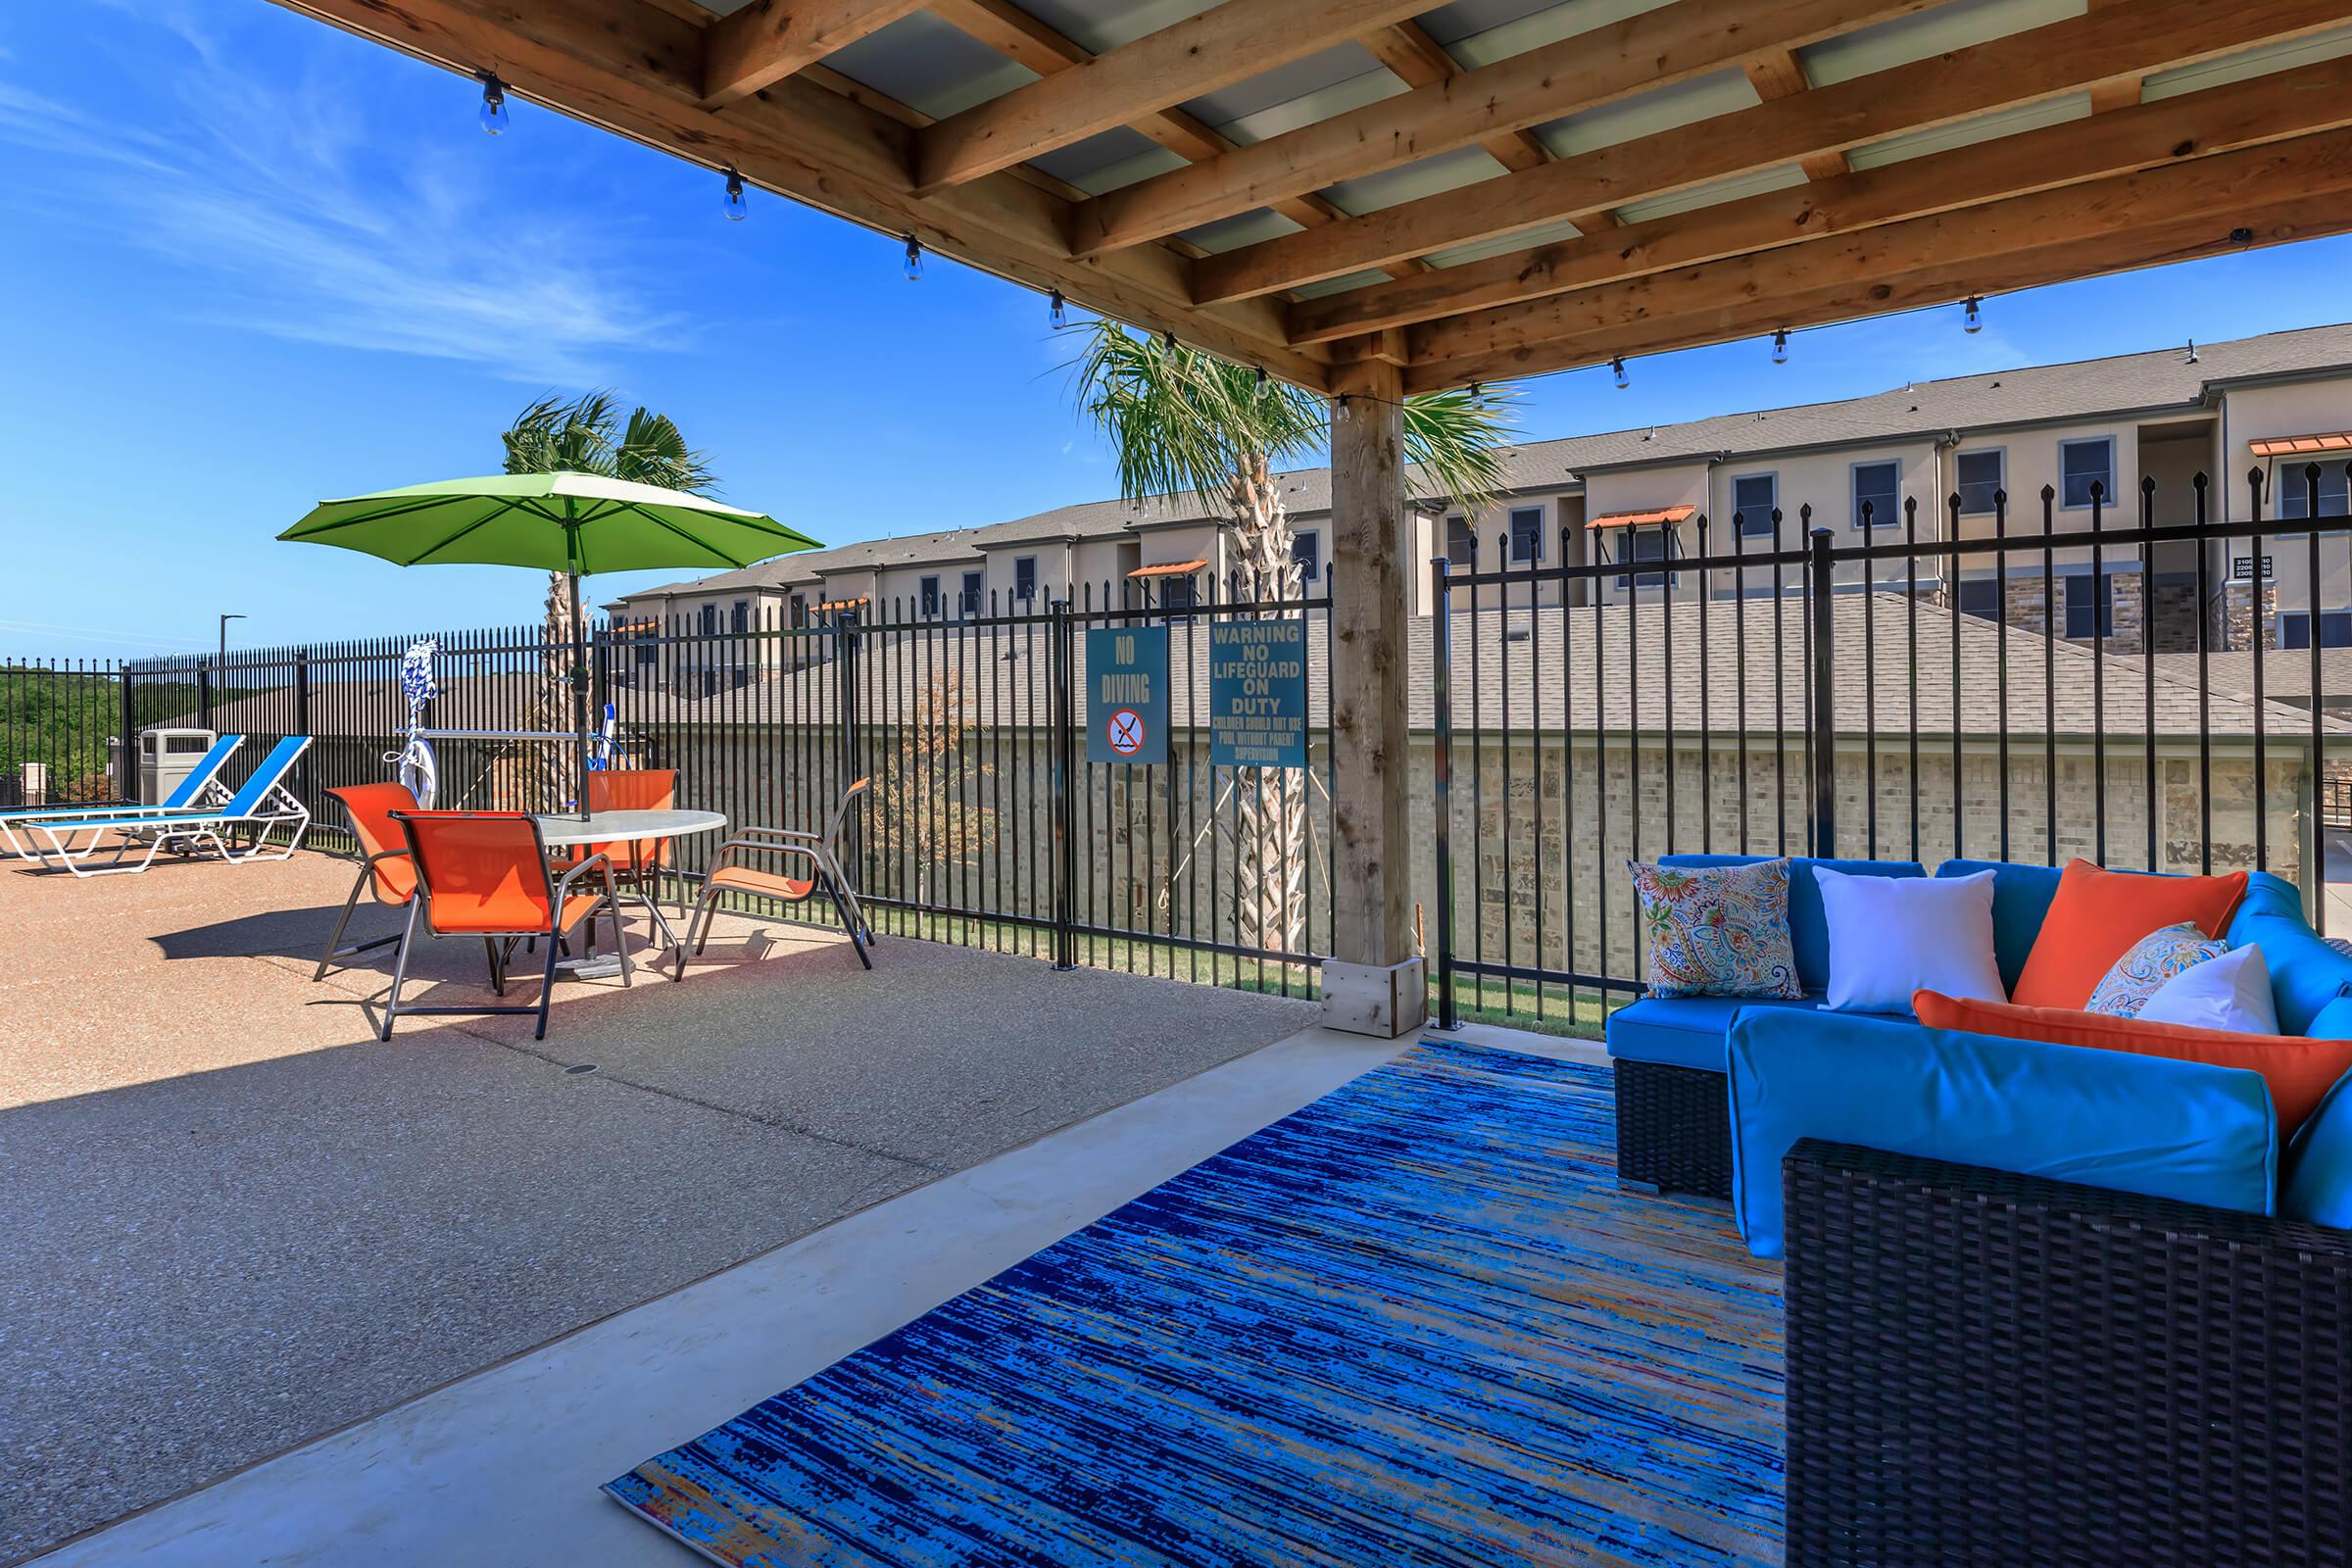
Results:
2097 916
2300 1071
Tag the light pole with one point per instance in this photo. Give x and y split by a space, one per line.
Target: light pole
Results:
221 661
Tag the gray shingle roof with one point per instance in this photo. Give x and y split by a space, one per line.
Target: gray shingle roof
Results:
2088 388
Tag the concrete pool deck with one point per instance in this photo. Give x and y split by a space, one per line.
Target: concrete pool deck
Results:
238 1222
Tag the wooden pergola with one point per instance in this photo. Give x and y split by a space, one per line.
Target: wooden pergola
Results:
1374 197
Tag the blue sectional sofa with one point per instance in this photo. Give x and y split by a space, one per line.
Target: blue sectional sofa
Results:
2045 1304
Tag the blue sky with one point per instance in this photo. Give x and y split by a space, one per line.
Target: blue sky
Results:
251 262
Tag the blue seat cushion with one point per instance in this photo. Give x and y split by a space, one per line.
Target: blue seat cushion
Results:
2183 1130
1808 925
2306 973
2021 899
1692 1031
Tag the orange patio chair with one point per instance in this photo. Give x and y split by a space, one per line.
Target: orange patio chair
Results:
636 863
387 866
485 874
821 852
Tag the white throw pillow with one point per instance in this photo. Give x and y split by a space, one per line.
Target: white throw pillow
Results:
1890 935
2230 992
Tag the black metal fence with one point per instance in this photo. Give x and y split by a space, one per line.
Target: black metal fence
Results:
2142 694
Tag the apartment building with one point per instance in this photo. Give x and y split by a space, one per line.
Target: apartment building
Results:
1756 482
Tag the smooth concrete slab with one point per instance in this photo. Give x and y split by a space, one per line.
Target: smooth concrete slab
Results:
503 1468
238 1221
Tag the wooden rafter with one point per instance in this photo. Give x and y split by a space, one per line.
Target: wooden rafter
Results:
1418 61
635 67
769 41
1220 46
1673 44
1779 74
2121 92
1022 38
2283 191
2042 63
2240 114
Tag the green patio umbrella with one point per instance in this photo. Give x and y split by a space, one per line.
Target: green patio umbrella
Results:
574 523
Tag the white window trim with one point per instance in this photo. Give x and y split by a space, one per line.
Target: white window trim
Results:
1316 534
1747 530
2295 477
1510 533
1853 492
1035 582
1469 527
2113 484
2002 484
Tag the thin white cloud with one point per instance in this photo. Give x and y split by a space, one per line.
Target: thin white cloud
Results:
273 190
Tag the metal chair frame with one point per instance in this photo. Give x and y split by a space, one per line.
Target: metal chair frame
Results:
557 889
274 807
820 850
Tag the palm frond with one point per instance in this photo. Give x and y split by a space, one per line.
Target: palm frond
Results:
653 451
1457 443
1180 422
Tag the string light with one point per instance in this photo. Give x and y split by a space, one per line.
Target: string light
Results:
1974 320
738 206
494 102
1167 341
1057 309
1779 347
1617 368
915 259
1341 411
1477 395
1264 383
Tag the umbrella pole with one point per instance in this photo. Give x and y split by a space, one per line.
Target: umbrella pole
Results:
579 669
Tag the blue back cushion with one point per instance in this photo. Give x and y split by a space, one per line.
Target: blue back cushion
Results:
2116 1119
273 770
2021 897
2306 973
2315 1180
1808 926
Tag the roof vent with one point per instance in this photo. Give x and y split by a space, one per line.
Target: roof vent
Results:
1997 382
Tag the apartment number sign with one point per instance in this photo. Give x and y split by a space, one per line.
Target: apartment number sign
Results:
1258 693
1127 694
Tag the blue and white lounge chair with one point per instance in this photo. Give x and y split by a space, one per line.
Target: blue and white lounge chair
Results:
202 790
261 805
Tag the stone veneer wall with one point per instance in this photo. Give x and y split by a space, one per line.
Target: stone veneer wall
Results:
2027 607
2243 613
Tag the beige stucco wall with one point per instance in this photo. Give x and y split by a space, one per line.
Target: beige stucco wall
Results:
2296 408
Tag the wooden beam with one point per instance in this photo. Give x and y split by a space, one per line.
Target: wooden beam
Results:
1657 48
2234 114
2042 63
1779 74
1418 60
1220 46
769 41
1015 32
2121 92
2284 190
633 68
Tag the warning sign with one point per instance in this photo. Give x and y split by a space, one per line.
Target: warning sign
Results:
1127 694
1258 693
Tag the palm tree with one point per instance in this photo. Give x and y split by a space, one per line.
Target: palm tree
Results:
585 435
1184 422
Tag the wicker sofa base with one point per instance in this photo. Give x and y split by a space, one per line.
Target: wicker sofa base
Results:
1986 1368
1674 1129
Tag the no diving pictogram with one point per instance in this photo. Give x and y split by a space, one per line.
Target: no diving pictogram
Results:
1126 731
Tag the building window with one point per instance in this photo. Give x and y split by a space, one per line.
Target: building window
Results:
1640 546
2082 464
1178 595
1024 577
1307 552
2292 490
739 616
799 610
649 650
1880 487
709 620
1982 477
1527 534
971 592
1753 498
1980 597
1462 544
2085 597
2336 628
929 591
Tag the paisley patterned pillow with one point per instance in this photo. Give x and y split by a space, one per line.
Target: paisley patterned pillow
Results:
1718 930
2147 965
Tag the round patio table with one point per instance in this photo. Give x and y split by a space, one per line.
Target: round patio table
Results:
561 829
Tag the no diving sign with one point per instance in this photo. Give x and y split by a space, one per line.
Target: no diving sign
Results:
1127 694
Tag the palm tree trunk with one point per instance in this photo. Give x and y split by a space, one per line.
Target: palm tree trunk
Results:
1269 803
551 770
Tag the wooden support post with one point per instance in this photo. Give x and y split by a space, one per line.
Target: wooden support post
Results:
1374 982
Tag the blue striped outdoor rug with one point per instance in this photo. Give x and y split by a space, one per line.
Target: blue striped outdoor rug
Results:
1415 1323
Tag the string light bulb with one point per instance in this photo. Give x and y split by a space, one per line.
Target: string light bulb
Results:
1167 341
915 259
1617 369
1779 347
1057 309
739 207
1974 320
1264 383
494 102
1341 411
1477 395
